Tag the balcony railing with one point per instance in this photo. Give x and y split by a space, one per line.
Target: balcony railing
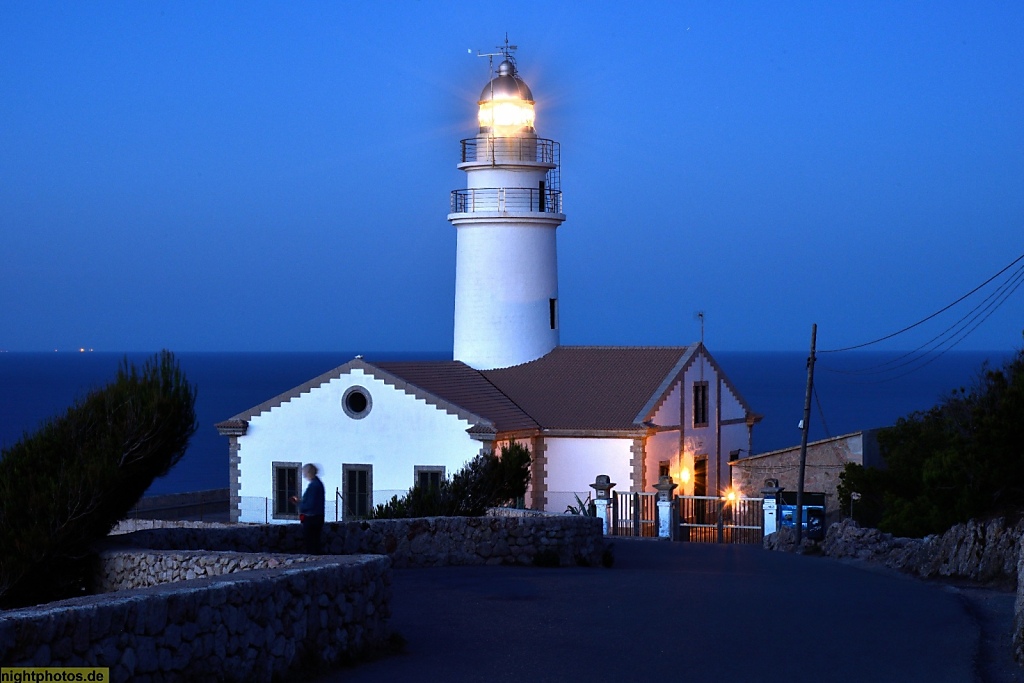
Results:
506 200
510 150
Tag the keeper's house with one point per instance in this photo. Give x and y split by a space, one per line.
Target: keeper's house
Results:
376 429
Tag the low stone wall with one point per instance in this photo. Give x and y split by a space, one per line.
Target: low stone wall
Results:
421 542
258 625
125 569
976 551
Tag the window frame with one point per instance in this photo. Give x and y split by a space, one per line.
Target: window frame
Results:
351 412
427 469
347 470
279 467
701 400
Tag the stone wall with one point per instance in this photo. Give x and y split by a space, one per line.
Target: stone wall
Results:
420 542
255 625
125 569
825 461
986 552
264 611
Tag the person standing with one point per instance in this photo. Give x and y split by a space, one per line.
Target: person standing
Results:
311 509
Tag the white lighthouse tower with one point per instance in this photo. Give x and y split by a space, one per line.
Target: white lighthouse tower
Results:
506 275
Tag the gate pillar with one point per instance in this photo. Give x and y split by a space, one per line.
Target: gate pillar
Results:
665 488
602 499
770 494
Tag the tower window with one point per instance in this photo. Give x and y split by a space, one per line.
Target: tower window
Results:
553 313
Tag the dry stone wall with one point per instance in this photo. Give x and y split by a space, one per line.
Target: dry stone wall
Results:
242 603
258 625
125 569
420 542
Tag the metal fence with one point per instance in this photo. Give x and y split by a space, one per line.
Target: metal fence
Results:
710 519
260 510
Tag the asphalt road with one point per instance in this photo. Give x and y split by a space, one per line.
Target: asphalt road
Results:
677 611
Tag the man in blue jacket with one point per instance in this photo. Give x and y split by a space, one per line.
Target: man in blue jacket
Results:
311 510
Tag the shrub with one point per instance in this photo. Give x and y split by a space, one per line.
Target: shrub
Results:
68 484
485 481
962 459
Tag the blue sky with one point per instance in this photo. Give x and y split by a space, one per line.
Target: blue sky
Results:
275 176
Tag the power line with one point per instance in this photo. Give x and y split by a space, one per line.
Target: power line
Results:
924 320
952 335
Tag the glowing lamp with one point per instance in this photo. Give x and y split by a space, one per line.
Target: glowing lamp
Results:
684 475
506 103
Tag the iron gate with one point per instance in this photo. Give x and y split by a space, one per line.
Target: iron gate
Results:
710 519
634 514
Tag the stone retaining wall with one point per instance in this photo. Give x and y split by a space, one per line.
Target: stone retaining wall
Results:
976 551
255 625
420 542
125 569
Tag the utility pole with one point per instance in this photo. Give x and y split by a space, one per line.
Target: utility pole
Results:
805 425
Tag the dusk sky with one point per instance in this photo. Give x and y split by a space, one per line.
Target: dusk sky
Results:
276 176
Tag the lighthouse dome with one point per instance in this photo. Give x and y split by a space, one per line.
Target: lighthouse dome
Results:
507 85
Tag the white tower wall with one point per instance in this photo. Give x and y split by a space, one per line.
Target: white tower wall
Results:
505 279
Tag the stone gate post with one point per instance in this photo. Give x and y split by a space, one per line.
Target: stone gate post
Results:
603 486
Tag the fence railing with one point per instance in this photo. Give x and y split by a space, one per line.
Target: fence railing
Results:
499 150
260 510
506 199
710 519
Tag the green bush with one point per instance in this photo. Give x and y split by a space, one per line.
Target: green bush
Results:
69 483
485 481
962 459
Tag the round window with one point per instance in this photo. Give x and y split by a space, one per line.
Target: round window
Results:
356 402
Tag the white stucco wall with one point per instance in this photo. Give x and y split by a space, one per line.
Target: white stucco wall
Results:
668 414
399 432
663 446
732 409
574 463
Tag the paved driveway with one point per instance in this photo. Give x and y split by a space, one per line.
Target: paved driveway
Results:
676 611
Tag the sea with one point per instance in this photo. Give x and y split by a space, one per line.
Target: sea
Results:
852 391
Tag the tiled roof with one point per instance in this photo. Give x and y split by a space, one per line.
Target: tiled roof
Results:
587 388
461 385
592 387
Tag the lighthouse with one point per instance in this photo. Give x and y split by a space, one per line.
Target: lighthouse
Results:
506 274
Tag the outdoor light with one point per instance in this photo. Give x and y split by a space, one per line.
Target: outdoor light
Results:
506 114
684 475
506 103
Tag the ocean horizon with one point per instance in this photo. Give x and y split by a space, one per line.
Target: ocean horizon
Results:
854 391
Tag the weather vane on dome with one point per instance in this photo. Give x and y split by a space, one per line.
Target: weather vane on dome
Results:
507 51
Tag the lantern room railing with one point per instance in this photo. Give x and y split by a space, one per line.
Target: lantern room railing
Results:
499 150
506 200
